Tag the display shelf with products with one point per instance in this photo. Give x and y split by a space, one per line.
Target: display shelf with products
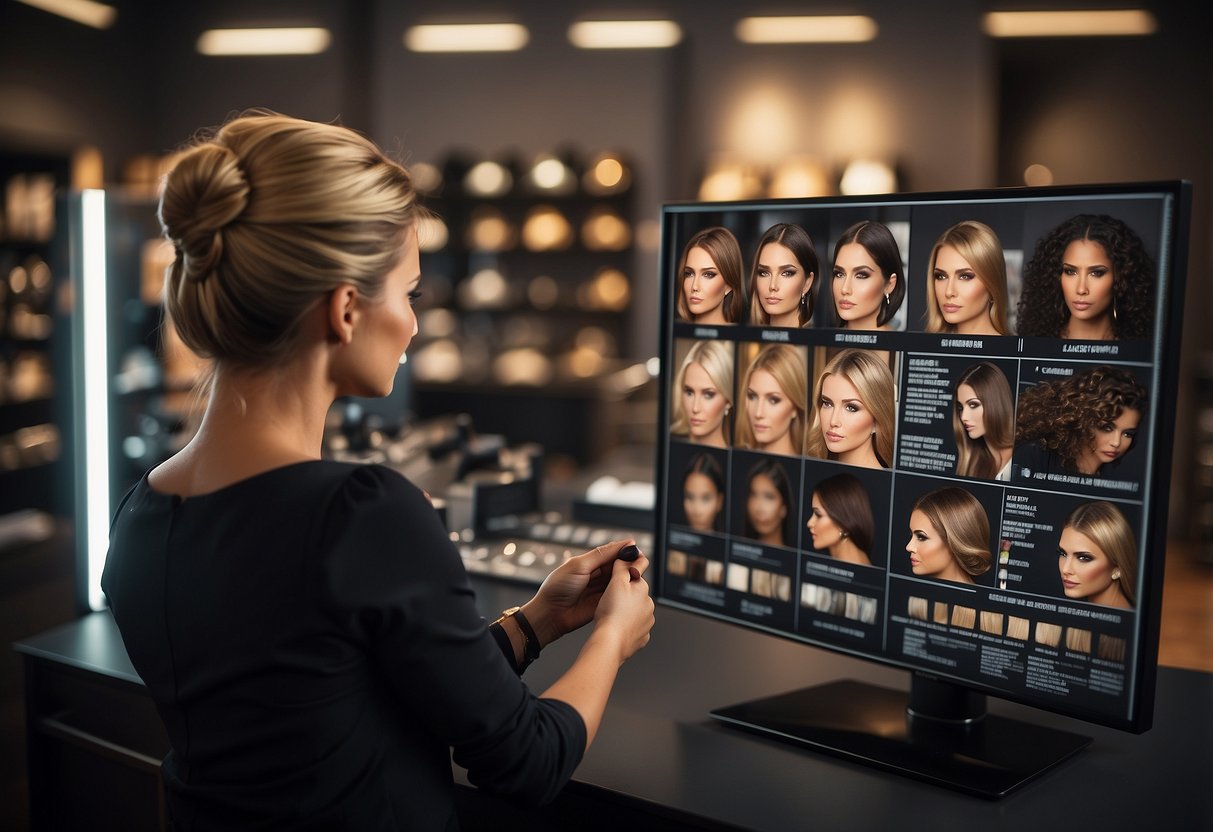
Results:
30 413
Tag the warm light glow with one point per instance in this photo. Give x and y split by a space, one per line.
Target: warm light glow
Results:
97 15
95 373
488 179
809 29
625 34
546 229
550 174
311 41
466 37
865 176
1089 23
799 178
1036 175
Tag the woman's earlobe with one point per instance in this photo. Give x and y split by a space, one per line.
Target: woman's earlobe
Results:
343 312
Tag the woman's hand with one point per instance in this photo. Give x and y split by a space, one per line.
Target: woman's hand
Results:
625 609
569 596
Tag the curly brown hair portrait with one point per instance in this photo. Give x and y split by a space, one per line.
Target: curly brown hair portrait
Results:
1042 309
1064 416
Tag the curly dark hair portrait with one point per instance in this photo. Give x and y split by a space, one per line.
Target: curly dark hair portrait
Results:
1063 416
1042 309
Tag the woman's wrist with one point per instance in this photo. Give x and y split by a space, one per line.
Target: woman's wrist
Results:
541 621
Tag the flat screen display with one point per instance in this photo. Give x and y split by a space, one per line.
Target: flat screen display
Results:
931 430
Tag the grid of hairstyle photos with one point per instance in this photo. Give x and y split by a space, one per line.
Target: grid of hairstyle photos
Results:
918 430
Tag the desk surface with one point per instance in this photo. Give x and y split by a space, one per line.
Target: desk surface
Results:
658 745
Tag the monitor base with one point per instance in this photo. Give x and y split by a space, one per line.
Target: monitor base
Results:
939 733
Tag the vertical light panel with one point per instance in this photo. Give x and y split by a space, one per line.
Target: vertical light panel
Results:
93 353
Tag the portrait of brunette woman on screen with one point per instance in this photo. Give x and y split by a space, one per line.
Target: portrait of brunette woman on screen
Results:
703 395
967 282
784 278
853 411
949 536
1089 278
710 287
983 423
840 519
866 283
768 503
1085 423
703 493
1097 556
773 399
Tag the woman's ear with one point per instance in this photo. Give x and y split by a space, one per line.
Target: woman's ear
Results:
891 284
343 312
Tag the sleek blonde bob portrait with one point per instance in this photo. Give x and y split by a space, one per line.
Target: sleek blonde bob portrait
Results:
1108 529
789 367
979 246
716 359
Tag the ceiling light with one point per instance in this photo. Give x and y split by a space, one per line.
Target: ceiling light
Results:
809 29
303 41
1092 23
466 37
868 176
97 15
625 34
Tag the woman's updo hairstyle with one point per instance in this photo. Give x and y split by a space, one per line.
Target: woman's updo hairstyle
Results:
268 216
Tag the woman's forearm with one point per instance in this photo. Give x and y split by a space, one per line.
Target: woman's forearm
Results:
587 683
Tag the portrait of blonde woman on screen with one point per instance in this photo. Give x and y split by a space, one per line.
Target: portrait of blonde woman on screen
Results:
703 395
783 280
967 282
709 288
853 411
773 398
949 536
1097 556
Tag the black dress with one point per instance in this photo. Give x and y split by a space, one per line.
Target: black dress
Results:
312 644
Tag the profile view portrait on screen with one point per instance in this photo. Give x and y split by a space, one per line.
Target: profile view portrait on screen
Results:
840 519
967 282
867 284
773 398
1089 278
305 626
949 536
983 423
783 281
710 289
768 502
1085 423
853 411
703 395
703 493
1097 556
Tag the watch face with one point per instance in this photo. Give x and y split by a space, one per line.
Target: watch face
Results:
511 611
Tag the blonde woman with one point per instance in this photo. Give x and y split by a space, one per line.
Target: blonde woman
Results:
1097 556
709 287
949 536
773 399
703 395
853 411
290 603
983 423
967 282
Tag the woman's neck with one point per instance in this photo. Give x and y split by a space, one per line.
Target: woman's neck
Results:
955 573
1088 463
864 455
981 325
867 322
715 439
783 445
1112 596
845 550
1096 329
714 317
787 319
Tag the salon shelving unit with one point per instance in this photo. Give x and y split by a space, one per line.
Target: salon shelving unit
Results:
30 386
556 406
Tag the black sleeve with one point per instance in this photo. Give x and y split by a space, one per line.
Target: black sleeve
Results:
397 580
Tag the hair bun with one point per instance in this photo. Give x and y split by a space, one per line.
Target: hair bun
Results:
205 192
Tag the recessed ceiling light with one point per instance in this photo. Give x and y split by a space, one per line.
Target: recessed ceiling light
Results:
298 41
88 12
466 37
625 34
807 29
1090 23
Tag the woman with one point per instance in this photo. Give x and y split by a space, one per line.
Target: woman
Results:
1086 422
703 493
841 519
711 290
983 423
1097 556
305 626
949 536
854 415
783 277
867 288
768 496
967 282
773 401
703 395
1090 278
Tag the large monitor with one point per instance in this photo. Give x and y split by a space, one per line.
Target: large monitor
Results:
933 431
